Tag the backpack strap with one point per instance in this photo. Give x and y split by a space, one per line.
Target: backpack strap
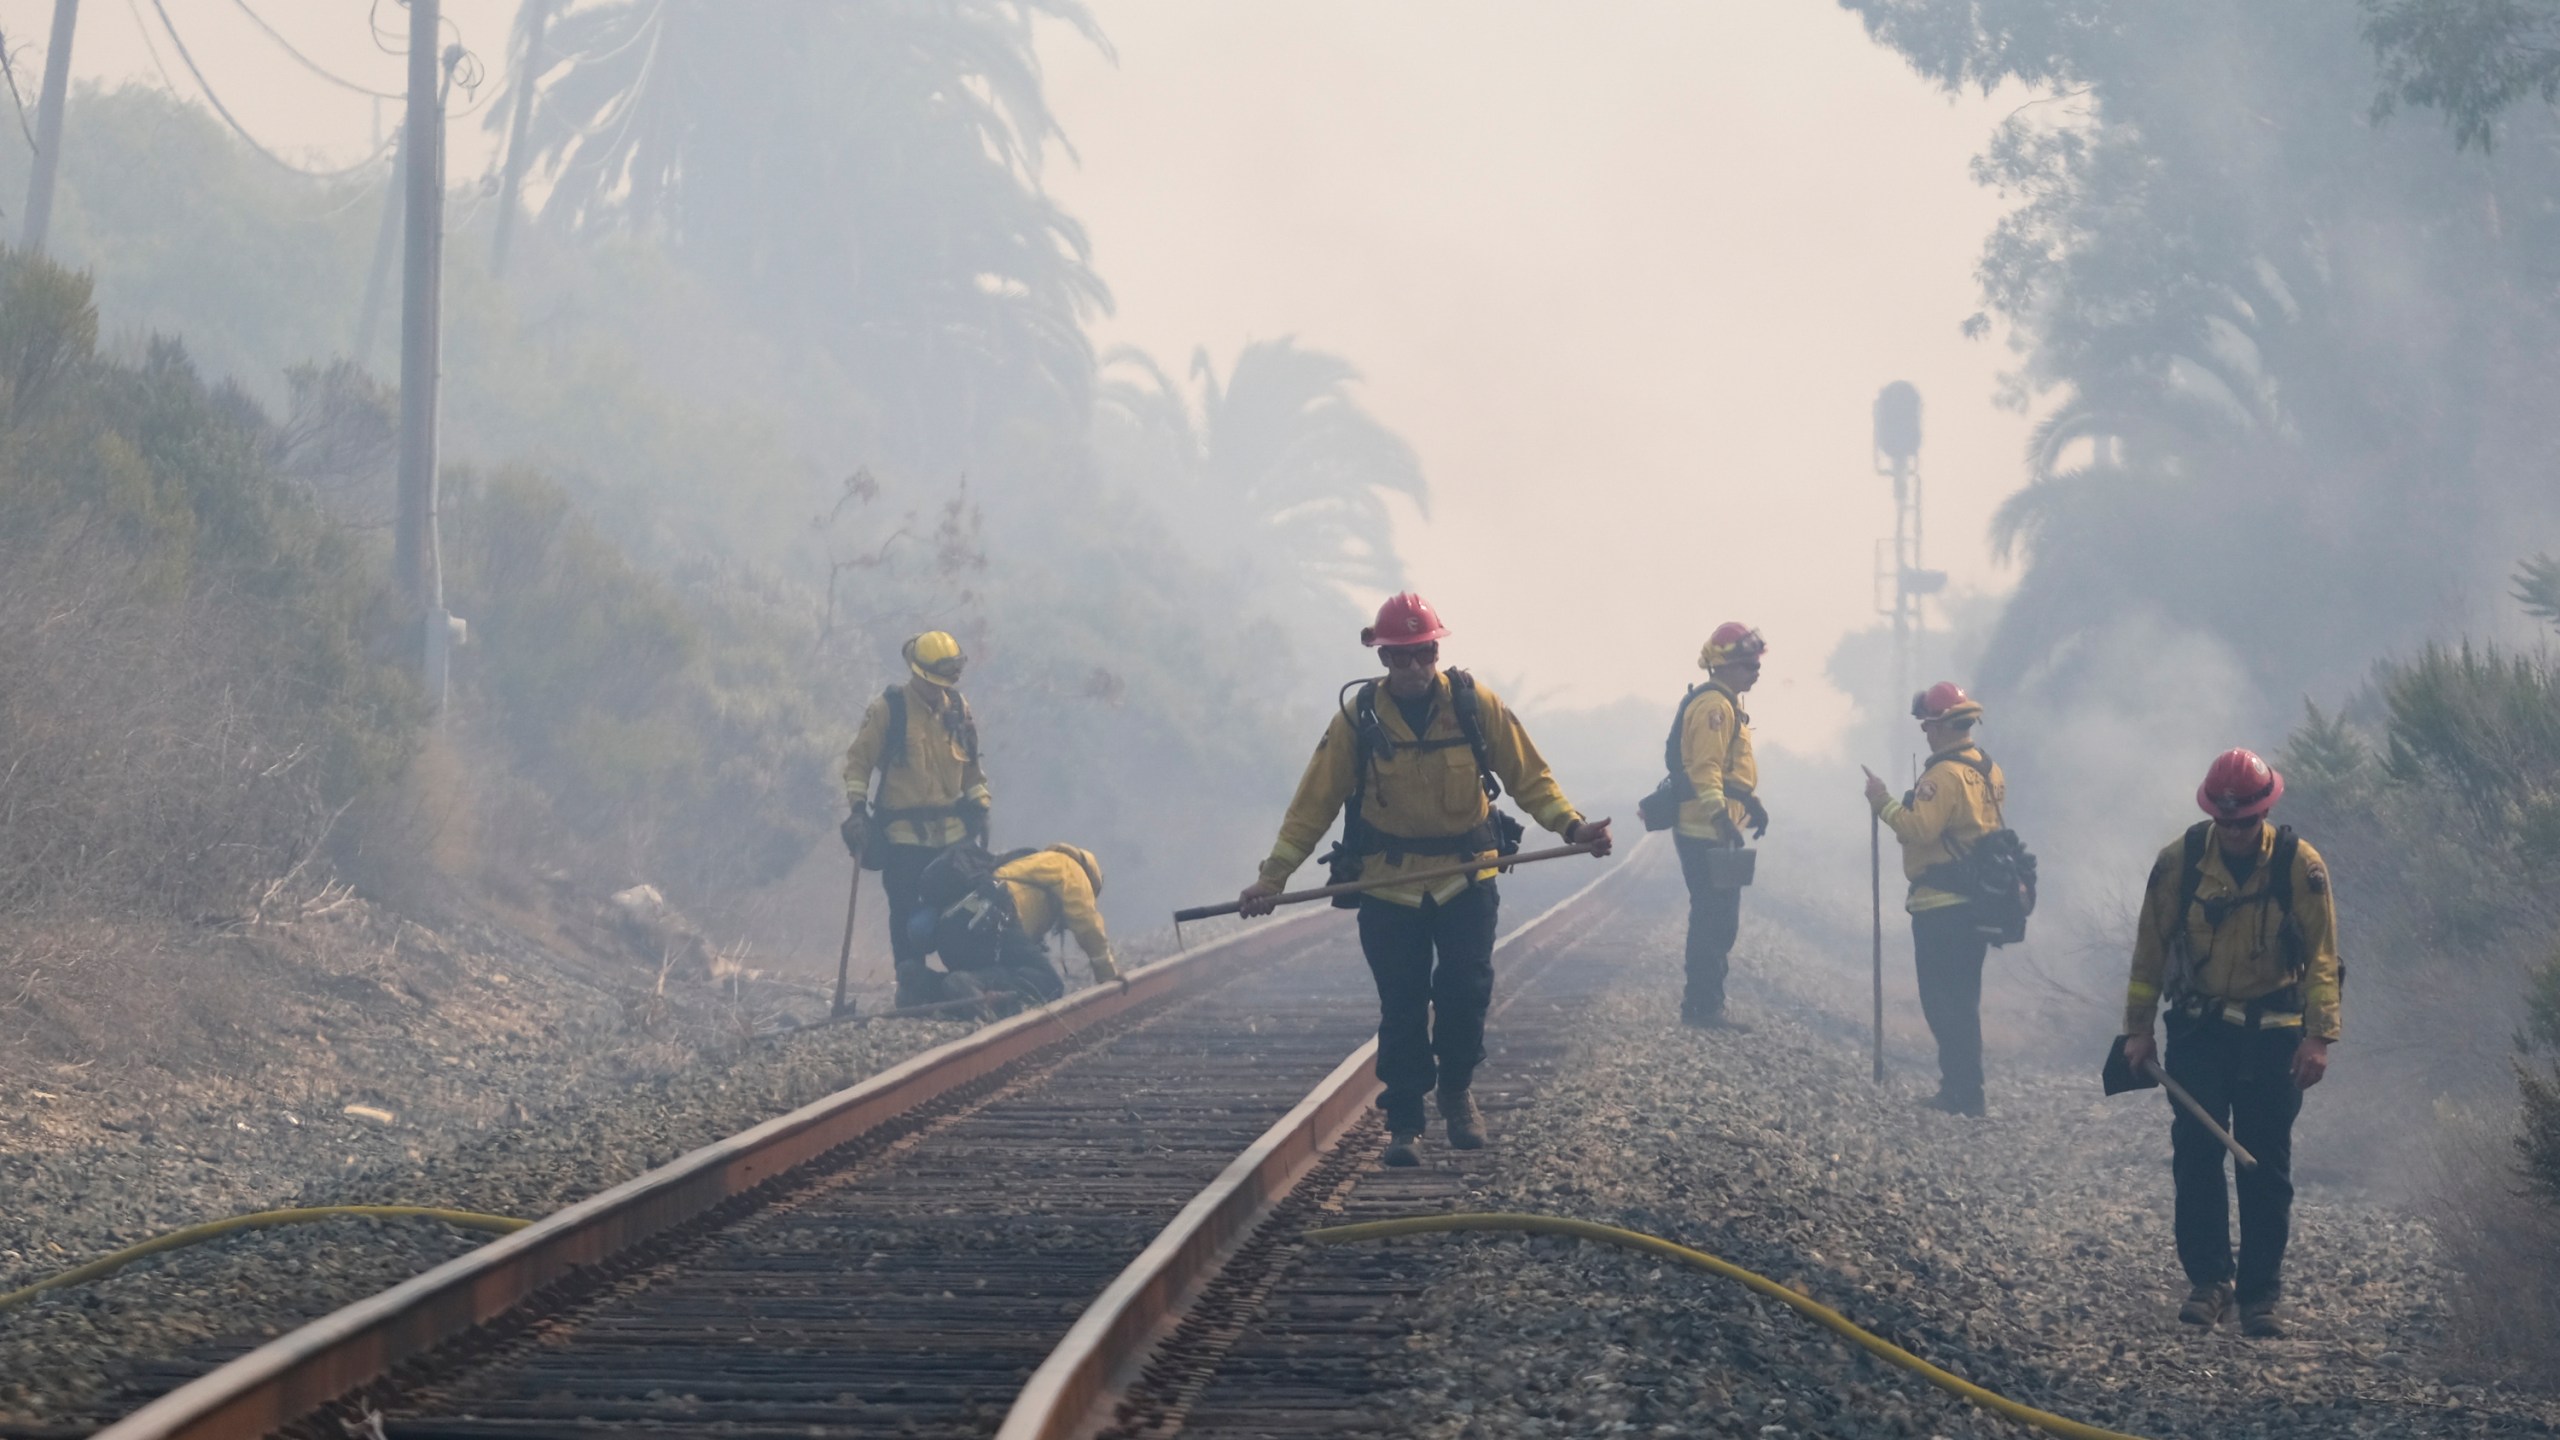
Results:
1470 715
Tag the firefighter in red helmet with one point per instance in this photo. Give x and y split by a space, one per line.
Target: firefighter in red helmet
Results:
1957 801
2238 940
1414 760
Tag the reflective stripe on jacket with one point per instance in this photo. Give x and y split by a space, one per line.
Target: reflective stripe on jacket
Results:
1415 793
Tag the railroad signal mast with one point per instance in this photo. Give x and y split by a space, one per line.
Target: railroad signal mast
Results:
1901 582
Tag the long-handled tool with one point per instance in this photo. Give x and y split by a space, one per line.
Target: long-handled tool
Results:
1360 887
2184 1101
1875 876
2119 1075
844 957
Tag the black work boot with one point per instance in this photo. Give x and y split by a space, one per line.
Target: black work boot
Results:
2258 1320
1955 1102
2206 1305
1465 1122
1400 1151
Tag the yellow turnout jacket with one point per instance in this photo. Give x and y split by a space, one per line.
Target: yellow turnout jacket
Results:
1417 790
1715 751
1952 806
936 772
2244 957
1051 892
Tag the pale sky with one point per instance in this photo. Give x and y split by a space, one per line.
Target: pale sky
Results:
1627 275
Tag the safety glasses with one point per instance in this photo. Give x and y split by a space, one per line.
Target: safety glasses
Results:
1400 657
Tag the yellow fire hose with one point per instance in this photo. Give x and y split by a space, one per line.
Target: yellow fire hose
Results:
1829 1318
262 1220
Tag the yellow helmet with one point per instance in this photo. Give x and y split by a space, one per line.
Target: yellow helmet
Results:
1088 860
935 656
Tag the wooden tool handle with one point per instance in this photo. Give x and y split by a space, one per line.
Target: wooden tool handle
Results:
1360 887
2184 1101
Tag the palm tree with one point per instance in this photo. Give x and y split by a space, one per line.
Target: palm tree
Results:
1278 452
866 177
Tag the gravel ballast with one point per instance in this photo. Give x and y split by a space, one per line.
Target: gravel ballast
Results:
497 1080
2029 1252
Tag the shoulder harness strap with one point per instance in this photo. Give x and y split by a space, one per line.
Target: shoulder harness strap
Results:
1470 716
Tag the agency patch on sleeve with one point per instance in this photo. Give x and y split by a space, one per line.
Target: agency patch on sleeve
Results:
1926 790
1715 719
2316 876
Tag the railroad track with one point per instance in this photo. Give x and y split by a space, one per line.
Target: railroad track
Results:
898 1258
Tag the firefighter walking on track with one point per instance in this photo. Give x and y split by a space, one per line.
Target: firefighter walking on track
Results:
1414 762
922 743
2238 939
1955 803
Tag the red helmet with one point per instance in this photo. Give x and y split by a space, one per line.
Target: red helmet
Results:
1405 619
1734 643
1945 700
2240 786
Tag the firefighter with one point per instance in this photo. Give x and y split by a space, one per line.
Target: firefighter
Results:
2239 940
1956 801
1055 891
1714 747
1415 761
920 740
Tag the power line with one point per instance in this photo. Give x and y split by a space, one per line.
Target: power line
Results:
306 61
179 42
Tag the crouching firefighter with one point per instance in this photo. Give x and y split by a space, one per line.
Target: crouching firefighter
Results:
1972 883
1707 797
990 918
1414 762
2239 940
922 744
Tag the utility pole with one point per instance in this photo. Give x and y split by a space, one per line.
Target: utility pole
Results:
1897 452
415 556
530 65
48 159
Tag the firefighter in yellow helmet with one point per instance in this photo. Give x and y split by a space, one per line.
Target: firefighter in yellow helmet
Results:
2238 938
1412 760
1057 891
921 743
1710 752
1956 802
990 919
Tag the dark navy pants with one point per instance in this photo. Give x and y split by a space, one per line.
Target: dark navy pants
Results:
1434 968
1715 918
2243 1077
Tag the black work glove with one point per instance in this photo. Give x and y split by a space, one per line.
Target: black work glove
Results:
1756 813
855 830
973 817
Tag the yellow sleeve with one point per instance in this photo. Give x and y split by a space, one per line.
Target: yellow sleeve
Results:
2150 944
1703 740
1321 793
863 755
2315 914
1522 770
1083 919
1926 817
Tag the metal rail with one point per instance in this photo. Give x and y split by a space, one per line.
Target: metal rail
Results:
1072 1393
333 1357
